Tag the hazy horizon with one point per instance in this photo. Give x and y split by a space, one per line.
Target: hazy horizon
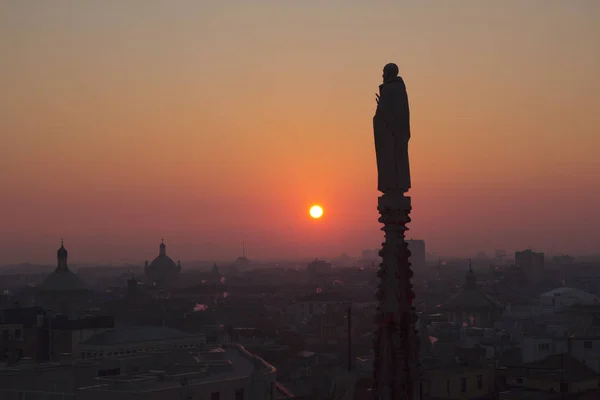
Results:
148 253
212 123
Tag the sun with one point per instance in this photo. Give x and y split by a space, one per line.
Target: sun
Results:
316 212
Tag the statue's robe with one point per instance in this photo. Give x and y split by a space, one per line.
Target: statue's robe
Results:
391 125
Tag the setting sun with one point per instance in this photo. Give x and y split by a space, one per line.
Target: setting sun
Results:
316 212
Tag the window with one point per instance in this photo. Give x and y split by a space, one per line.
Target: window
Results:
448 387
520 381
544 346
587 344
215 396
17 334
239 394
463 385
479 381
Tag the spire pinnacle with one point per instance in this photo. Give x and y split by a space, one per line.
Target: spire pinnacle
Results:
470 266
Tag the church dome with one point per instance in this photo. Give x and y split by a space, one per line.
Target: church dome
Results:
62 281
471 297
162 267
62 278
163 261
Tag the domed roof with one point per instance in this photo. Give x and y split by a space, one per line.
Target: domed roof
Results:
472 298
64 281
163 262
62 278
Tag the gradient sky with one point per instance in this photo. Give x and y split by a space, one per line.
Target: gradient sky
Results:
210 123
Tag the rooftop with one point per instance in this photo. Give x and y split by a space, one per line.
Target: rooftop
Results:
324 297
197 368
63 280
136 335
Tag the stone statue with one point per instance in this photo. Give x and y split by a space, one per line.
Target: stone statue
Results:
391 125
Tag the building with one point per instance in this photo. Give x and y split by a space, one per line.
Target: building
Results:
22 334
132 340
457 382
559 373
531 263
202 373
306 307
417 254
562 298
39 335
62 291
472 306
162 271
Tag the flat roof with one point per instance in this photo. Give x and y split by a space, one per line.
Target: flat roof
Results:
137 335
219 364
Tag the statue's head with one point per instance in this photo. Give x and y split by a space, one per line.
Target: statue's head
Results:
390 71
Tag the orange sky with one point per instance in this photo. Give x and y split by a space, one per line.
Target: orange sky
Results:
209 123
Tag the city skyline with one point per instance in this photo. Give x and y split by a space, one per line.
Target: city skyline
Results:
209 124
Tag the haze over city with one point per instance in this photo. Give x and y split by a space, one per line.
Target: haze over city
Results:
213 123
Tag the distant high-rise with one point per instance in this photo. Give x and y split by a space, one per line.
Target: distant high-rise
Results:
531 263
417 253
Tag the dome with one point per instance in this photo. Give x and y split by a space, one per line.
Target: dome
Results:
62 278
162 262
63 281
162 267
472 298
